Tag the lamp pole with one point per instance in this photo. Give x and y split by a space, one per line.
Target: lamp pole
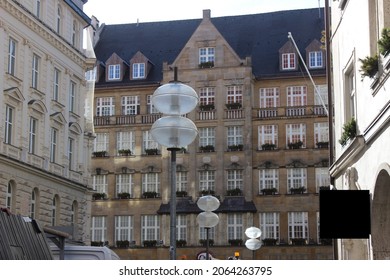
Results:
253 243
174 131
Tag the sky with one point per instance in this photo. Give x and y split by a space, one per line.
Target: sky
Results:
131 11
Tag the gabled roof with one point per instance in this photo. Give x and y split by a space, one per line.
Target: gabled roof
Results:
259 36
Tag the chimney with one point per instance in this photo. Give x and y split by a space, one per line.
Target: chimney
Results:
206 14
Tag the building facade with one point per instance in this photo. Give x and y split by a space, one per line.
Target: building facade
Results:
44 143
361 102
262 147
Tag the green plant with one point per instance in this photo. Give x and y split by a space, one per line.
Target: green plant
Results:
234 105
295 145
100 154
207 192
181 243
234 192
349 132
99 196
204 241
270 241
125 152
269 191
235 242
153 151
122 243
237 147
181 193
268 146
149 194
384 42
207 64
297 190
207 148
124 195
369 66
206 107
150 243
322 144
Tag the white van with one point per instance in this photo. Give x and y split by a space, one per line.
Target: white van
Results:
74 252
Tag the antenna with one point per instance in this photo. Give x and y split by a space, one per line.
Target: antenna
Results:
289 36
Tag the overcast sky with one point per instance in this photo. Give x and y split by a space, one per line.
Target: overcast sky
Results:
131 11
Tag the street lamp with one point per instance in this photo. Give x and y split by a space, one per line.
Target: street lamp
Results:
208 219
253 243
174 131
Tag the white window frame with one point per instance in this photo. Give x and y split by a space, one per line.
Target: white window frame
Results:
316 59
72 97
101 142
206 136
100 183
150 227
71 150
32 137
54 136
235 179
12 56
206 54
269 97
98 228
151 182
296 132
105 106
207 180
206 95
234 94
181 180
234 226
296 96
181 227
203 233
125 140
35 71
138 70
148 141
296 178
90 75
270 225
321 132
9 118
58 20
234 135
124 228
289 61
298 225
124 184
268 179
37 8
130 105
56 84
114 72
322 177
150 107
267 134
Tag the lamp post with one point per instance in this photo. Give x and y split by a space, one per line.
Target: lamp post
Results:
174 131
208 219
253 243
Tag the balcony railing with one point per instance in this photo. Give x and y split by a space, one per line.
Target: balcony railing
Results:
206 115
126 119
296 111
234 114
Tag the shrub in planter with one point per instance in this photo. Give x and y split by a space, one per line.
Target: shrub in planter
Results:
268 146
349 132
237 147
236 242
122 243
124 195
207 64
124 152
384 42
98 196
295 145
207 148
99 154
270 241
207 192
270 191
181 243
150 243
233 106
369 66
234 192
298 241
204 241
322 145
97 243
206 107
181 193
151 151
297 190
149 194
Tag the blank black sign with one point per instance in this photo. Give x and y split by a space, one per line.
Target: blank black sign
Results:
345 214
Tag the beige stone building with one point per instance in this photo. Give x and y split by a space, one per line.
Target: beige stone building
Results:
361 98
44 143
262 147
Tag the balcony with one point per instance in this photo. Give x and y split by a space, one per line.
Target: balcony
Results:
126 119
291 112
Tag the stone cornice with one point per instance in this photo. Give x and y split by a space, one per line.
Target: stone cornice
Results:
43 30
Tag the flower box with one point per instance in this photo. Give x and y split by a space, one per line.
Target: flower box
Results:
269 241
203 242
123 243
236 242
206 192
124 152
181 193
270 191
238 147
234 192
150 194
268 147
181 243
150 243
295 145
206 107
206 149
322 145
150 152
207 64
99 154
298 190
298 241
124 195
98 196
233 106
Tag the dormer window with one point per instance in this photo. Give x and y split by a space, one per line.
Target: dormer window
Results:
114 72
138 70
315 59
206 55
288 61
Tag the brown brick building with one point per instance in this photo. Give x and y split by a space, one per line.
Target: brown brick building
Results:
262 147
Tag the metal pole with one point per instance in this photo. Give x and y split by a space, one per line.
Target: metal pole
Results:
172 249
207 243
